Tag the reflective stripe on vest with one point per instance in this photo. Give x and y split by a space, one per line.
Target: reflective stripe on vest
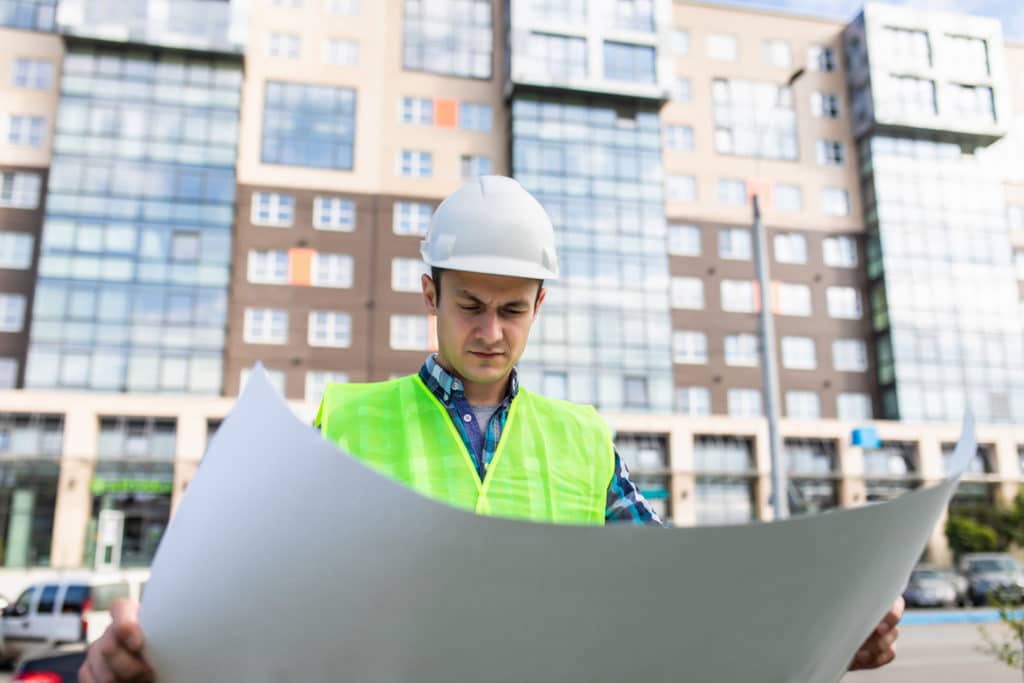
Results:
553 463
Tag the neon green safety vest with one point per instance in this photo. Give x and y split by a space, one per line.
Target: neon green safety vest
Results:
553 463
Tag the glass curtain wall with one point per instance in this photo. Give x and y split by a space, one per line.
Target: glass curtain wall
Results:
136 245
605 330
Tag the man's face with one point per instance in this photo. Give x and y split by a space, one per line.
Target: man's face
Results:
483 322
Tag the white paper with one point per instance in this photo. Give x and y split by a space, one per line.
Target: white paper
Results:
289 560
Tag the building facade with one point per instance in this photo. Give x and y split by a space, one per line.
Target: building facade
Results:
189 188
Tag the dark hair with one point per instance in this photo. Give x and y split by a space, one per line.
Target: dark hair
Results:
435 275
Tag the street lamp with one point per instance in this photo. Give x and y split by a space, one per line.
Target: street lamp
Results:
769 370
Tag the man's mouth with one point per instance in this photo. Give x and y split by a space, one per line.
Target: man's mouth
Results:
487 354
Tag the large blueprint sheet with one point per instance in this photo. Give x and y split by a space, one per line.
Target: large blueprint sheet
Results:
290 561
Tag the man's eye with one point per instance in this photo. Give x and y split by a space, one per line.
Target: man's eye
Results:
469 307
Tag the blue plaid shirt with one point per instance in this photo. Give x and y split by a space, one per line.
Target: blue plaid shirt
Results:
625 503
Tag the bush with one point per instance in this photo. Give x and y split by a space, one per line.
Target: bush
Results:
967 535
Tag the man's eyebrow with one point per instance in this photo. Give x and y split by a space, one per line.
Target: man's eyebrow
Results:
464 294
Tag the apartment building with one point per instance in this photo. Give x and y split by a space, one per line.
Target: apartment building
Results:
197 186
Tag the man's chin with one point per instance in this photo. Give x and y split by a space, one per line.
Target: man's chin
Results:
486 370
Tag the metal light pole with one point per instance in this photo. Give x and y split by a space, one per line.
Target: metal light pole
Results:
770 372
769 369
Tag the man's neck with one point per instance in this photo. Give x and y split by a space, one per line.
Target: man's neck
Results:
478 393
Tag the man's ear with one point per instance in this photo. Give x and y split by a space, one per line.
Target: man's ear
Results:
540 299
429 294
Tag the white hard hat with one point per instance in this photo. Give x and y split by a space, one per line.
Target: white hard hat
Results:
492 226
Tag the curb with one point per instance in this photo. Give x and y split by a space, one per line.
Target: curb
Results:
972 616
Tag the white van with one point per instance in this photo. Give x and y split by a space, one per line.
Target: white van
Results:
68 610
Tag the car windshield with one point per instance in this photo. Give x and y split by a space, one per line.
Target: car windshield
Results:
994 565
925 574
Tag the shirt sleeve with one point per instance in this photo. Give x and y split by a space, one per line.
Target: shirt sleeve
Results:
625 502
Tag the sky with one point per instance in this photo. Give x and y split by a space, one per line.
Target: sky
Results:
1010 12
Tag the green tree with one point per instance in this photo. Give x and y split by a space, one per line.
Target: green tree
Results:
1008 649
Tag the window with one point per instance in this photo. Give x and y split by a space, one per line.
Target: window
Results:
825 106
688 292
330 328
679 137
683 90
308 125
798 353
36 15
16 250
695 401
821 58
803 405
906 48
835 202
790 247
268 267
562 11
562 58
478 117
1018 263
968 56
275 377
447 38
555 385
738 296
415 164
410 333
680 42
793 299
634 15
689 348
776 53
635 392
840 251
266 326
628 62
1015 216
754 118
684 240
417 110
334 213
332 270
406 274
26 130
972 103
12 312
288 4
907 96
272 209
411 218
722 47
342 8
741 350
849 355
732 192
20 190
831 153
844 302
735 244
317 381
788 198
284 45
744 403
33 73
471 166
852 406
341 52
724 491
680 188
8 373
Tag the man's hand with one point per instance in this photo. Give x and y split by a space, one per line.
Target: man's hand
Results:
877 650
117 656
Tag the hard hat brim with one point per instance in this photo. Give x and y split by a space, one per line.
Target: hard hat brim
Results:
496 265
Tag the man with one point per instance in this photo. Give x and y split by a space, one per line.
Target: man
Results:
462 430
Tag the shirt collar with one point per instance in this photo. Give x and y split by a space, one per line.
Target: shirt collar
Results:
446 385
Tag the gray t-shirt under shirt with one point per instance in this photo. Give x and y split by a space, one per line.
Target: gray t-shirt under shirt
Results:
483 418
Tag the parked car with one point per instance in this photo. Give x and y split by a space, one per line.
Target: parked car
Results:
56 666
930 587
69 610
992 574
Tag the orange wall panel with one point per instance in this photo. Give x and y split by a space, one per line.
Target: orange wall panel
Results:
446 113
300 263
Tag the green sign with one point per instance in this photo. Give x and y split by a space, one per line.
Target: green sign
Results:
101 486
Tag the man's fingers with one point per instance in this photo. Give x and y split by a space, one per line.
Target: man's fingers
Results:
123 664
95 661
127 631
